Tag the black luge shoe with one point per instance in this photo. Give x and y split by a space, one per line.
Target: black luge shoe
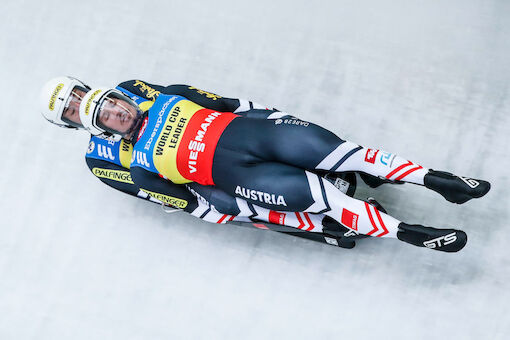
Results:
448 240
454 188
344 236
375 182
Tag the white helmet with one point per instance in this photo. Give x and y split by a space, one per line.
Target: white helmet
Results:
56 96
100 103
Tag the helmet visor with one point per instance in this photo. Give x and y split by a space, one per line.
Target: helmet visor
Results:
71 113
118 114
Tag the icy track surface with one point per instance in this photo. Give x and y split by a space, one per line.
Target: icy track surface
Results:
428 80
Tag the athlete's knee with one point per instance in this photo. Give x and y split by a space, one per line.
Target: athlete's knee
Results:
224 203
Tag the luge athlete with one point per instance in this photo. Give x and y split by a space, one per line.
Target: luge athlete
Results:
272 163
109 160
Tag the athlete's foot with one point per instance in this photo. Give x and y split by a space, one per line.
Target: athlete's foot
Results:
448 240
345 237
454 188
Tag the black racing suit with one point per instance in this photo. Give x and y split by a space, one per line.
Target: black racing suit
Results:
110 162
273 163
108 167
210 156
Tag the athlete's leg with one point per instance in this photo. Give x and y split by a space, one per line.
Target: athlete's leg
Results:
278 186
309 146
220 207
282 187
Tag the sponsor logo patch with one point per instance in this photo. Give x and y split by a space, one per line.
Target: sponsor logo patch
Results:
149 92
349 219
473 183
105 152
197 145
54 96
89 102
291 121
276 217
436 243
125 153
207 94
170 200
260 196
371 155
140 158
114 175
351 233
126 146
91 147
159 121
387 158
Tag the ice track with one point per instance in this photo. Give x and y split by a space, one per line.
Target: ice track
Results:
428 80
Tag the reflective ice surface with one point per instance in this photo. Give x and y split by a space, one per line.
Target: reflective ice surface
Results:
428 80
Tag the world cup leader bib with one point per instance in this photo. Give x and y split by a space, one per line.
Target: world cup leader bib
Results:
178 140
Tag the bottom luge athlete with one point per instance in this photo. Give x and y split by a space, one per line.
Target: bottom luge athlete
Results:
246 162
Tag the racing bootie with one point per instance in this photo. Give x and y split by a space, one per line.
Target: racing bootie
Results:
448 240
454 188
345 237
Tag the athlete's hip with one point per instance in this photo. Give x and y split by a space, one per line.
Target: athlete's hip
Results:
198 145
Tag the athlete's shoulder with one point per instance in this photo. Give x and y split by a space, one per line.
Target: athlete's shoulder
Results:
190 92
115 152
141 89
136 88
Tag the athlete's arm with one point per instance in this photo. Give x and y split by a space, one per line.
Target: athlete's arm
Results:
206 99
174 195
213 101
112 175
142 89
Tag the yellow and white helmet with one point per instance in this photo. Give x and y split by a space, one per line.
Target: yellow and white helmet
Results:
109 112
58 97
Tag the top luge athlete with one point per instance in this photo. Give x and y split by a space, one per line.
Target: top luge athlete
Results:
273 163
109 161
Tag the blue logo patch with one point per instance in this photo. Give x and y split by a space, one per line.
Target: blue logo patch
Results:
103 149
386 158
